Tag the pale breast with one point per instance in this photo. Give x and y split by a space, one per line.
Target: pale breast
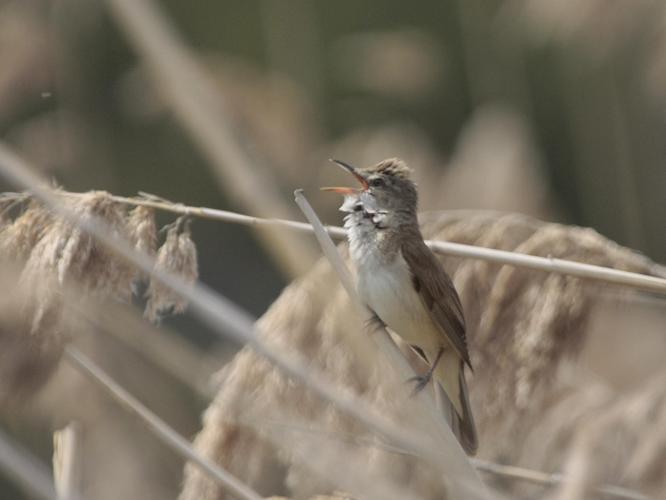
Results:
386 287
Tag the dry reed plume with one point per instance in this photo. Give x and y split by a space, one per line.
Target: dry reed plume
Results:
526 329
178 256
46 258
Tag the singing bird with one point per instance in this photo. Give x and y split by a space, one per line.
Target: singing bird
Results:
403 283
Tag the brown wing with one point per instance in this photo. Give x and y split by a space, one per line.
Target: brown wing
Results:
438 294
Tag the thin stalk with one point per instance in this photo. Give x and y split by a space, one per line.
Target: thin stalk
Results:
534 262
166 350
500 470
32 475
158 427
67 460
225 318
191 94
548 479
454 462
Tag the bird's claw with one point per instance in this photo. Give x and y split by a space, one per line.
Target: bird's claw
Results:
374 323
421 382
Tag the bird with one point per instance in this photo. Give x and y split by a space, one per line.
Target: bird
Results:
403 283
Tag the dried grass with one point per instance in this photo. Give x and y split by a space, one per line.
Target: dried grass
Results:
178 255
142 230
18 238
68 254
46 258
253 391
619 440
28 353
525 329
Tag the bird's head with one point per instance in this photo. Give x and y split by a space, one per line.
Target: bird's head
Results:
387 183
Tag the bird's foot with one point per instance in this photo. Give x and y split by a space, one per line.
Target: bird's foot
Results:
374 323
421 382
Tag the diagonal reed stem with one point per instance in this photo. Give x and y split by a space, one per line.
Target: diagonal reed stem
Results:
456 464
158 427
15 169
197 104
225 318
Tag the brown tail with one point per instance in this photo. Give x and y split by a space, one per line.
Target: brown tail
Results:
459 412
468 437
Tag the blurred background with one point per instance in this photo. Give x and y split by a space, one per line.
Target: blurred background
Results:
554 109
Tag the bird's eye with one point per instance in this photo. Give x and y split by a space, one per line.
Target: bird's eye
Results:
358 208
376 182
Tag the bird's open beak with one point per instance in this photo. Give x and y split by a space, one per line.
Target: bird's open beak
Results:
348 190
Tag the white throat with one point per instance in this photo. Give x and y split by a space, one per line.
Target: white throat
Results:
366 231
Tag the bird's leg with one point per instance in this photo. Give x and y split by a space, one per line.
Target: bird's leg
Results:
423 380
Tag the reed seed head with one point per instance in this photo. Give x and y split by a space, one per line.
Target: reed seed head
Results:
178 255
